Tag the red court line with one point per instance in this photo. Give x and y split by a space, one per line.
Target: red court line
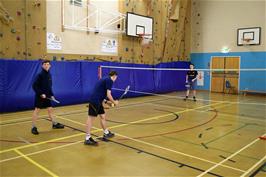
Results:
138 137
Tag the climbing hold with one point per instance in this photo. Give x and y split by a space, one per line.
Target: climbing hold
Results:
13 30
18 13
18 38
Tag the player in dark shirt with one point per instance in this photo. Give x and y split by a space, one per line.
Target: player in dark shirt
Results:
101 90
42 87
191 79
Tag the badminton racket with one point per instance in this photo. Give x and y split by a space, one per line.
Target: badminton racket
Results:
53 99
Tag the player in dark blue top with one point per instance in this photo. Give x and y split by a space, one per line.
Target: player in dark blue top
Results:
101 91
42 87
191 78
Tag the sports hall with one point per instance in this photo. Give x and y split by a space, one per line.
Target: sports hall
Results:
132 88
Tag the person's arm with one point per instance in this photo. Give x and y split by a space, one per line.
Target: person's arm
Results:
195 77
51 88
36 86
110 97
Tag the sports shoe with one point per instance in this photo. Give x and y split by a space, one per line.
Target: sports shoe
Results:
90 141
185 99
194 98
34 131
109 135
58 126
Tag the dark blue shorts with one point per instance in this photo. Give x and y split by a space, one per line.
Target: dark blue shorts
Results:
95 110
192 85
41 102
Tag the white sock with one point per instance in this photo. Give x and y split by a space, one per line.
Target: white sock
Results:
106 131
88 136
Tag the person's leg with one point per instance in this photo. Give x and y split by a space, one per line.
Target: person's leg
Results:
92 114
89 124
187 93
194 90
194 95
35 116
103 121
106 133
34 119
88 139
51 117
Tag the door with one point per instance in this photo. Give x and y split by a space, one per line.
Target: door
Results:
217 81
232 76
220 77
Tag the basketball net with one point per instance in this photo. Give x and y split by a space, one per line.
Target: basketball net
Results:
246 41
145 40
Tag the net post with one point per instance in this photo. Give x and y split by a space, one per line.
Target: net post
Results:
100 72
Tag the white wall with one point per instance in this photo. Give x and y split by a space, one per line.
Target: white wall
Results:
78 42
215 24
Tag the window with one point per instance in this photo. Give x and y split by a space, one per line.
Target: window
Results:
76 2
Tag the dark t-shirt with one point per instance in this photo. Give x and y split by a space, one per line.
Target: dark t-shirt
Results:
43 84
192 75
99 92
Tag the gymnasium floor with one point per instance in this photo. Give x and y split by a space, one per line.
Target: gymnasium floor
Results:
155 136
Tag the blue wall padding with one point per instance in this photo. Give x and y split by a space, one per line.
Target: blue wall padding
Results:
74 81
250 80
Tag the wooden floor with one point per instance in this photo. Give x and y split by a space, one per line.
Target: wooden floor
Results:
155 136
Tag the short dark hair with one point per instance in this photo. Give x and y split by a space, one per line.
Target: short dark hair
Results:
45 61
191 64
113 73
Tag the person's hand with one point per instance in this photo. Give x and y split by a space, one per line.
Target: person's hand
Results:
52 97
43 96
116 102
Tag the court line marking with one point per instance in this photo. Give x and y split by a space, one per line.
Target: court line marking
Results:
36 163
232 155
214 148
40 143
160 147
77 111
24 140
38 152
254 166
57 139
147 119
220 113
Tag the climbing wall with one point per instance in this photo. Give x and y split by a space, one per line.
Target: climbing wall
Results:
171 33
22 29
23 32
196 25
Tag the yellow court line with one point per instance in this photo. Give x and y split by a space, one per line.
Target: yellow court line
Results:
40 143
36 164
71 136
69 112
160 147
143 120
38 152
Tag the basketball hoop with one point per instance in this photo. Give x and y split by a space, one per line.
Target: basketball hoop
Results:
246 41
145 39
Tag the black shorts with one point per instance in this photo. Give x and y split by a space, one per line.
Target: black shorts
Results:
42 102
95 110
